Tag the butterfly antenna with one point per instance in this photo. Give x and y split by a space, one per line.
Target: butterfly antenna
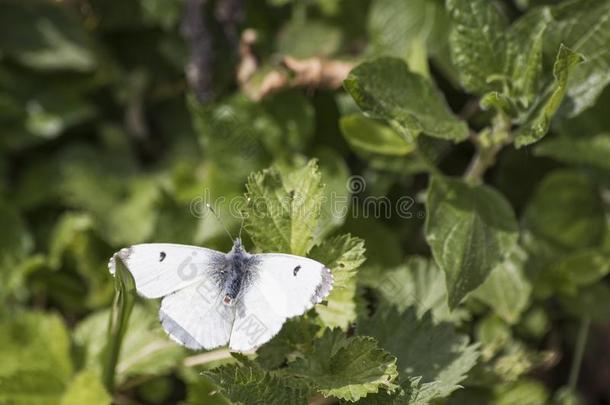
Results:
220 220
243 219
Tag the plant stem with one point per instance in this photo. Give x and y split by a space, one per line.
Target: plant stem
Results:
579 351
124 300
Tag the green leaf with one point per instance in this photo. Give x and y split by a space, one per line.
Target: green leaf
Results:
584 26
36 363
145 349
343 255
407 29
308 39
410 103
86 388
478 43
524 54
367 135
15 245
470 229
418 283
507 291
251 385
419 343
283 209
567 211
589 151
347 368
577 270
45 36
592 301
539 118
335 202
525 392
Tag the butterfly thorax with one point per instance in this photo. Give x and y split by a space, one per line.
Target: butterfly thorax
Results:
239 271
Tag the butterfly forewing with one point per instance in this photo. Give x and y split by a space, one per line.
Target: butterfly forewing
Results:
160 269
281 287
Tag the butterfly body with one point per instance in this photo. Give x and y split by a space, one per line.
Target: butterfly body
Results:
211 299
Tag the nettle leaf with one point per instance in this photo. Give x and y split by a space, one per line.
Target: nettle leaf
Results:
251 385
537 123
296 336
347 368
507 290
410 103
589 151
470 229
283 209
584 26
367 135
419 343
525 41
478 43
343 255
566 210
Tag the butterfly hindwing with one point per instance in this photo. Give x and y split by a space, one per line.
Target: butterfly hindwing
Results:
196 317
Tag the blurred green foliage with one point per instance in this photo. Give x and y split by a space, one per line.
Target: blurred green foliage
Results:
483 125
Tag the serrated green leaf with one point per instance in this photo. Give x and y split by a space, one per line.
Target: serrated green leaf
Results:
343 255
417 343
507 290
590 151
347 368
410 103
86 388
368 135
584 27
470 229
283 209
539 118
250 385
567 211
478 43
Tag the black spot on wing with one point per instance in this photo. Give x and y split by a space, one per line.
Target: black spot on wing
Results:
162 256
296 270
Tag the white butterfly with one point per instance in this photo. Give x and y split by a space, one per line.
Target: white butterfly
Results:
212 299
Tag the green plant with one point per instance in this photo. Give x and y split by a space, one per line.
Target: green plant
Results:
448 160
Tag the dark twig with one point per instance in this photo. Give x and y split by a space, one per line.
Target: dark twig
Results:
199 40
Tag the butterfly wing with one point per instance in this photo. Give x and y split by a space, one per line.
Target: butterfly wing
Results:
281 286
195 316
160 269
